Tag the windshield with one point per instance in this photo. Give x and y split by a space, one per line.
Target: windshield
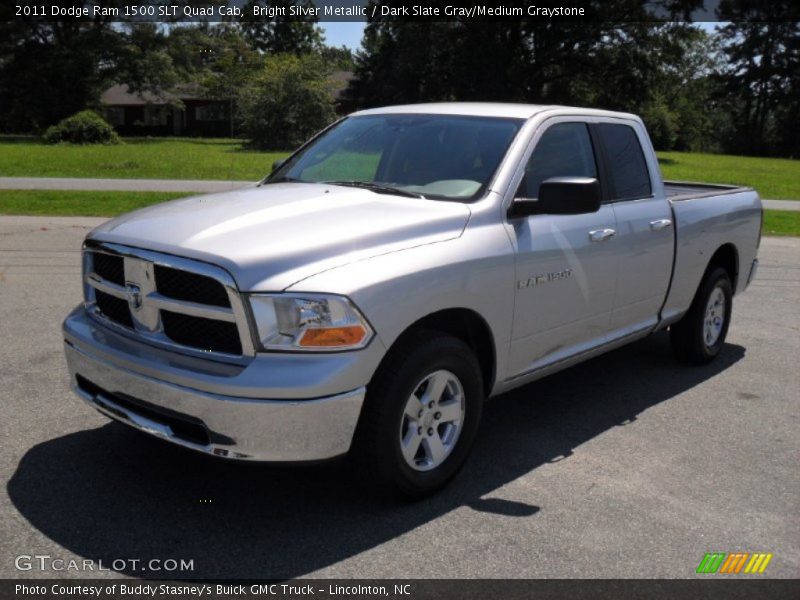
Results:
447 157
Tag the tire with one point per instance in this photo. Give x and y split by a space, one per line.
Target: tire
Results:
699 336
398 452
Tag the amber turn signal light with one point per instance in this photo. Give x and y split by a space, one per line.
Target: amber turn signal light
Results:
333 336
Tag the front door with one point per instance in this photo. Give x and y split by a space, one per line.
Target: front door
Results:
566 264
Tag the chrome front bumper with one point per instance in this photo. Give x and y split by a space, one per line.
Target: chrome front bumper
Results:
245 428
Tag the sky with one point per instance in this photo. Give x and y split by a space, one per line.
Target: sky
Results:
343 33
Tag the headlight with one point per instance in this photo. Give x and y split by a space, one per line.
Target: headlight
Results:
308 322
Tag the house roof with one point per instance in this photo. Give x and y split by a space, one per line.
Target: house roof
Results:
339 80
342 77
121 95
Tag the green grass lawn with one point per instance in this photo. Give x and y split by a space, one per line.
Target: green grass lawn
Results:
782 222
774 178
84 204
226 159
139 158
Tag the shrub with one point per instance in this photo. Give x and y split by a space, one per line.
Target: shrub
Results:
287 102
85 127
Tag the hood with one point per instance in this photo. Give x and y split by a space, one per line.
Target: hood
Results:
272 236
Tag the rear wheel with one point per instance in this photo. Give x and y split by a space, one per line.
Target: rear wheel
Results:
420 416
699 336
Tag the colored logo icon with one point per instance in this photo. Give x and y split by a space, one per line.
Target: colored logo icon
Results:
734 563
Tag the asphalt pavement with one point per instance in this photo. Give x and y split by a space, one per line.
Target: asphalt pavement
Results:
792 205
119 185
630 465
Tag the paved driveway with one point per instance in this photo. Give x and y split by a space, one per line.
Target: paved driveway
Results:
627 466
119 185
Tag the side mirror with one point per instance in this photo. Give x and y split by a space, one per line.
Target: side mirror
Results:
560 196
278 164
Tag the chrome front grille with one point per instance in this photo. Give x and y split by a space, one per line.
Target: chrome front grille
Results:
176 303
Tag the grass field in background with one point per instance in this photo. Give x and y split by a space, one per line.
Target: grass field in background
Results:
71 203
774 178
782 222
137 158
225 159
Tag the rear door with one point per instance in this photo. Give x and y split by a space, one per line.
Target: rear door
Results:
566 264
645 232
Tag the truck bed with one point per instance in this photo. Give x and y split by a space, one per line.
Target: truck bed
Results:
707 217
677 191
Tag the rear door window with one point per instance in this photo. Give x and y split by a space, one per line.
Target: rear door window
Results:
627 167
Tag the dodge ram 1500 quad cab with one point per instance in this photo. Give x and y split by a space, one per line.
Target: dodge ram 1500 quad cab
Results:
398 269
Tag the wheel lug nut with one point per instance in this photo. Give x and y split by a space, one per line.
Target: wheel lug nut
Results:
437 416
419 430
430 431
430 404
420 414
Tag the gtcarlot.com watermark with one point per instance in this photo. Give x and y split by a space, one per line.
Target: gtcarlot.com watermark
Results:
45 562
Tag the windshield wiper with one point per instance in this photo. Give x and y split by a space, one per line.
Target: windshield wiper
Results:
376 187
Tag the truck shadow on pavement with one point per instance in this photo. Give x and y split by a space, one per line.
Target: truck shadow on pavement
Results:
111 493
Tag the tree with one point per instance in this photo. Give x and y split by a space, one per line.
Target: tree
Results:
286 102
50 70
522 60
761 78
143 59
282 33
191 48
613 61
338 59
217 58
660 71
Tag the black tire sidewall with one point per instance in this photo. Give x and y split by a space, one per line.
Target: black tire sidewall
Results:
441 353
718 278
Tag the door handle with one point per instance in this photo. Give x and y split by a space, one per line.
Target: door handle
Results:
601 235
660 224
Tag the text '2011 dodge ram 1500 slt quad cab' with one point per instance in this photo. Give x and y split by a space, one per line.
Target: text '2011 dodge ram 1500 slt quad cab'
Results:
399 268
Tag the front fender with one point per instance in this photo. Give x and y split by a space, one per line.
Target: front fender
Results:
393 291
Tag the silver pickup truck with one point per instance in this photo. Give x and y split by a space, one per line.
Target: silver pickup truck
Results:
399 268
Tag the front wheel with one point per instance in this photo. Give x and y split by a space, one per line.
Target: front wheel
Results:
420 416
698 337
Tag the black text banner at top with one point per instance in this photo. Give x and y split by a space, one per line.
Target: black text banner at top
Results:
386 10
